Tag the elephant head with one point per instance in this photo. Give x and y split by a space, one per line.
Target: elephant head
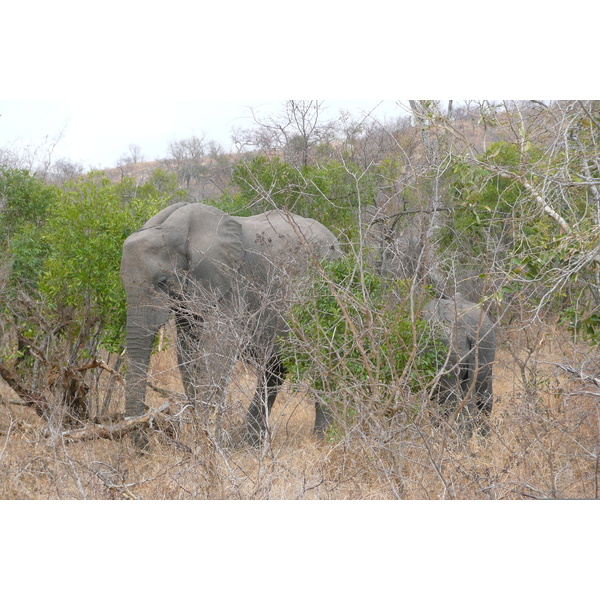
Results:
471 340
198 247
183 241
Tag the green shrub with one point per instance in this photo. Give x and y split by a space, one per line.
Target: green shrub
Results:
330 192
84 233
357 340
24 203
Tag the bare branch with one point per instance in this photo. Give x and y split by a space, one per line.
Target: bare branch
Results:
546 207
27 397
571 370
109 431
98 363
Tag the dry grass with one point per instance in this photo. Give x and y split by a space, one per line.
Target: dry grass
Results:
544 444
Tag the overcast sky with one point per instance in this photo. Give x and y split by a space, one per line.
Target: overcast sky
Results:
124 65
97 133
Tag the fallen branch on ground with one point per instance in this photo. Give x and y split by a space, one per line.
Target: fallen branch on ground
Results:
95 432
37 401
122 488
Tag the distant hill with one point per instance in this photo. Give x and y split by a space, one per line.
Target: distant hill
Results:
139 170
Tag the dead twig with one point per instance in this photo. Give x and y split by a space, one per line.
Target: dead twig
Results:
27 398
167 393
122 488
100 364
571 370
95 432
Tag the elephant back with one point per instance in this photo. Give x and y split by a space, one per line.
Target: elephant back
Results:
163 215
289 238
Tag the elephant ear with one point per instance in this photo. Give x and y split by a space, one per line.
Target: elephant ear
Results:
214 248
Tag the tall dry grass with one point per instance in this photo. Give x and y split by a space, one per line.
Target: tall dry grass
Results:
544 443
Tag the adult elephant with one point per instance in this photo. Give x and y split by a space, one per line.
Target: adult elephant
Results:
209 267
467 373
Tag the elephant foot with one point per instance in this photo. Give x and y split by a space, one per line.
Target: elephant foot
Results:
320 433
140 440
477 421
254 436
481 428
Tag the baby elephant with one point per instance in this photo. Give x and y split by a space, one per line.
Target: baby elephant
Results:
467 372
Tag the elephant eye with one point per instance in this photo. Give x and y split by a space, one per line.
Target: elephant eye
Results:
162 283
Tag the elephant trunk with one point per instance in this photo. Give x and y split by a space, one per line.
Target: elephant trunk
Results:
142 327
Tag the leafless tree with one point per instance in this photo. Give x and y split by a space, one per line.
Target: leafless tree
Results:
295 131
64 170
187 157
132 156
37 159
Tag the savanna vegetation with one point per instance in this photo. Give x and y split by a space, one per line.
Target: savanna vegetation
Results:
497 201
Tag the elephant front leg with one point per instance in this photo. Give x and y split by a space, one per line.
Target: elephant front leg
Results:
323 419
193 357
270 381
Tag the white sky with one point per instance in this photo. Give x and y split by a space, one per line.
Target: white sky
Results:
131 72
97 133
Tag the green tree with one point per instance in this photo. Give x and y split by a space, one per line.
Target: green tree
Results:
84 232
484 206
24 203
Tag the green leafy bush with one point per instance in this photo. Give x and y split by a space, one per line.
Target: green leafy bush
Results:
357 338
84 232
485 205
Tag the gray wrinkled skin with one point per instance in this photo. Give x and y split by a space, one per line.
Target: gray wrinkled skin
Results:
223 274
468 371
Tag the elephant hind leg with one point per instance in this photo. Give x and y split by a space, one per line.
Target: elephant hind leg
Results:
484 399
485 403
323 418
269 384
